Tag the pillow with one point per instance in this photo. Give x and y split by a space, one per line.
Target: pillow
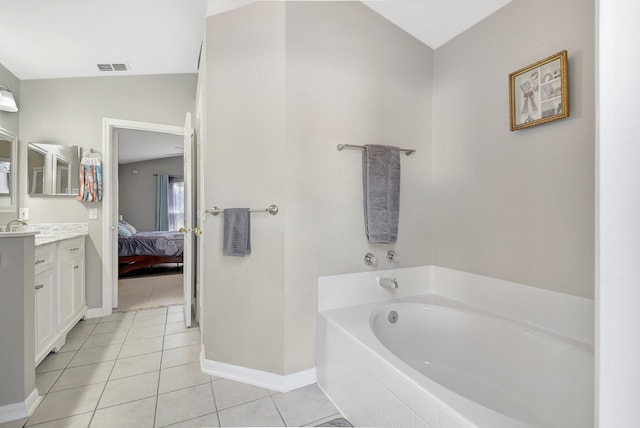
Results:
123 231
132 230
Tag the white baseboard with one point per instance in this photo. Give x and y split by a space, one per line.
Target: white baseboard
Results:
23 409
275 382
95 313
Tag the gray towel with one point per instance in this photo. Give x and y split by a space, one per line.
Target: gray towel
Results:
381 180
237 232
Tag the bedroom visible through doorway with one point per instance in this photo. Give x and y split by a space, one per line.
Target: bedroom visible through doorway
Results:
150 219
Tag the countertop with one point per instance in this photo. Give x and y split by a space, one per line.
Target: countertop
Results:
48 238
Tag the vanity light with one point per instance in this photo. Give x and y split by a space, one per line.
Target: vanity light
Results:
7 102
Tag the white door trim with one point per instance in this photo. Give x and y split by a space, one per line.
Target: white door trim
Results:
110 203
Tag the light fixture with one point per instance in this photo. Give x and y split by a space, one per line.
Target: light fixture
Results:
7 102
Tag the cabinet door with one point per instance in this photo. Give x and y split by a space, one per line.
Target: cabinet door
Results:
78 283
66 305
44 306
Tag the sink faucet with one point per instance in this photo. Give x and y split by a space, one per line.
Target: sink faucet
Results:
388 282
9 226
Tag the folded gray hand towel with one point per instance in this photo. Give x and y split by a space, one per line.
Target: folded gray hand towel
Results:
237 232
381 181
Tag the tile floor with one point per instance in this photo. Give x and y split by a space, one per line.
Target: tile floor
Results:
137 293
141 369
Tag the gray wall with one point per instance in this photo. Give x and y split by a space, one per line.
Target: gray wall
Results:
515 205
17 319
70 111
137 192
10 122
285 84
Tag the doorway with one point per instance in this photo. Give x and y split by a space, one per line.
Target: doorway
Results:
151 205
115 134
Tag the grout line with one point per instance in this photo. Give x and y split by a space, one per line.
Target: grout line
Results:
215 401
278 410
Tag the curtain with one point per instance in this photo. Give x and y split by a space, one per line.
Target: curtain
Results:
176 203
162 202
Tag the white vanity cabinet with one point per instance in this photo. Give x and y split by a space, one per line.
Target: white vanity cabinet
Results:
59 292
70 282
45 299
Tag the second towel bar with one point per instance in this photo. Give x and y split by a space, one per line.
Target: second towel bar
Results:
271 209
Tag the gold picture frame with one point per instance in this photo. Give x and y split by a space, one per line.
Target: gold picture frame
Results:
539 93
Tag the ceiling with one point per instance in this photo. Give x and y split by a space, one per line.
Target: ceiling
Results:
68 38
137 146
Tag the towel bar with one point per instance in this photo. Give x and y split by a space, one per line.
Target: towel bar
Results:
271 209
341 147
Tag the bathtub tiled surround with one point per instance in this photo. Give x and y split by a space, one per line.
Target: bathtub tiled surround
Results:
564 314
370 391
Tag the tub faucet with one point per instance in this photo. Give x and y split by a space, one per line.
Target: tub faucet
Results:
388 282
9 226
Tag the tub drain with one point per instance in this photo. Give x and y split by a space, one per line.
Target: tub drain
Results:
393 317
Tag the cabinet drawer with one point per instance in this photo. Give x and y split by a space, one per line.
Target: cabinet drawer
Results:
72 248
45 257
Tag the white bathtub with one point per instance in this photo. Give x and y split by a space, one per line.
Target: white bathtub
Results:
444 364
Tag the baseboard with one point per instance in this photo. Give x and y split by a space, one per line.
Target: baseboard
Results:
23 409
95 313
275 382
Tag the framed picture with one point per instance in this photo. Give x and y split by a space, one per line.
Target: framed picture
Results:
539 93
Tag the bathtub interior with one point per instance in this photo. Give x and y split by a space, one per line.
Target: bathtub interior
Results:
515 369
373 387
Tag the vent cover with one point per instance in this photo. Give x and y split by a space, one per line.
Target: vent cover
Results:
113 67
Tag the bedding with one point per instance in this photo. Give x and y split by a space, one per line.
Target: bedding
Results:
142 249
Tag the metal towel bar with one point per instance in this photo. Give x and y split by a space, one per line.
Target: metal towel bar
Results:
341 147
271 209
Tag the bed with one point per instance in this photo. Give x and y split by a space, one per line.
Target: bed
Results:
137 250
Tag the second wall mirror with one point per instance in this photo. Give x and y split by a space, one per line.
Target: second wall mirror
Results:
53 169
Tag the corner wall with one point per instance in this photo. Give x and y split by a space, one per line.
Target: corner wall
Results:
518 206
286 83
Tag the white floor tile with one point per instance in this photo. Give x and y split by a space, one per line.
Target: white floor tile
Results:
106 339
75 401
139 347
136 414
83 375
177 340
303 406
119 391
210 420
184 404
55 362
78 421
44 381
136 365
180 377
94 355
178 356
230 393
261 413
145 333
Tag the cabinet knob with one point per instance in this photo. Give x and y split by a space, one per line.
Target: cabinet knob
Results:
39 261
74 249
75 267
39 286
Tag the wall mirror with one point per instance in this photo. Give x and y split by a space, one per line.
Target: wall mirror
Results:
8 162
53 169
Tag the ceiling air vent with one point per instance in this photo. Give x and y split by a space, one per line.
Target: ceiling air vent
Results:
113 67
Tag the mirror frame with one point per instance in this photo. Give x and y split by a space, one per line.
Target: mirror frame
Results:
13 139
